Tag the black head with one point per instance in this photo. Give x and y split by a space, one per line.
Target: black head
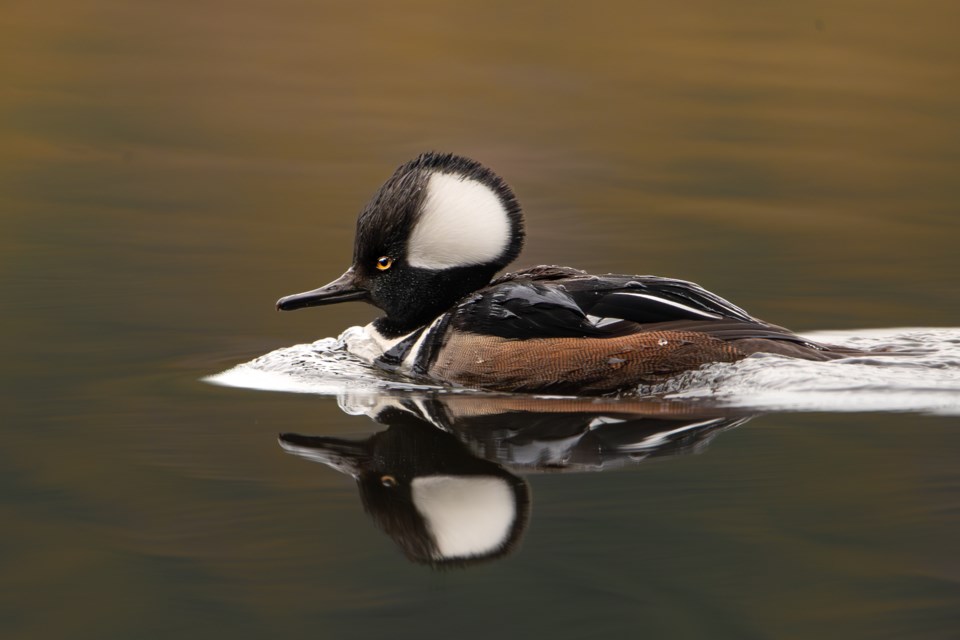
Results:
440 502
437 230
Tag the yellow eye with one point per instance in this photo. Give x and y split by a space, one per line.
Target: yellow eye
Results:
384 263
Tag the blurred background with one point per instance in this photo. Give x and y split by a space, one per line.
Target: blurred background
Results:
168 170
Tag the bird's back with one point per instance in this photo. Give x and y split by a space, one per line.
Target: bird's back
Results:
555 329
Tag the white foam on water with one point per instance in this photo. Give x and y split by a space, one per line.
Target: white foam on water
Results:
323 367
924 377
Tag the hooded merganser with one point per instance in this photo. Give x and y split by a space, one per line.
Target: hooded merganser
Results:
429 243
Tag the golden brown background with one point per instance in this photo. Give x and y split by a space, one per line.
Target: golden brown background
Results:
169 169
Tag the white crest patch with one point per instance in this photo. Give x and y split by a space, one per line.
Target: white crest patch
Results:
467 515
462 222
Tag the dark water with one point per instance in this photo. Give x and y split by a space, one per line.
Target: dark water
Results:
169 169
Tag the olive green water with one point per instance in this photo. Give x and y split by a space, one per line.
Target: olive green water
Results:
167 170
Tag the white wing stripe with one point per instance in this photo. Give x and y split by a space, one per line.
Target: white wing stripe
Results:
699 312
602 322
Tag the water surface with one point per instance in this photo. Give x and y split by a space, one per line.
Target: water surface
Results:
169 170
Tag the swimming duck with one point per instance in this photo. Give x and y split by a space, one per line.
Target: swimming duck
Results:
427 248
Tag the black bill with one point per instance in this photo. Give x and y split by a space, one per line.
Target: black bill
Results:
344 288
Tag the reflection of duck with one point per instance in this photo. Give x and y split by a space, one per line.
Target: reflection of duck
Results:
426 490
426 248
570 434
440 480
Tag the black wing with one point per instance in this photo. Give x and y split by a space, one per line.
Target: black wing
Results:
546 302
525 309
649 299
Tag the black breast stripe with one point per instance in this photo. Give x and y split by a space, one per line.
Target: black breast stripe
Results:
425 356
393 357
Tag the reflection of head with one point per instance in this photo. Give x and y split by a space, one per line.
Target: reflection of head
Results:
441 504
448 519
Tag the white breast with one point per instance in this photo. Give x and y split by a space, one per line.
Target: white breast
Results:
367 343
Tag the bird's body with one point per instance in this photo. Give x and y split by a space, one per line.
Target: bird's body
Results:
427 247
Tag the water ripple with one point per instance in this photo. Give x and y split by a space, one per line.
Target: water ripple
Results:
923 376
